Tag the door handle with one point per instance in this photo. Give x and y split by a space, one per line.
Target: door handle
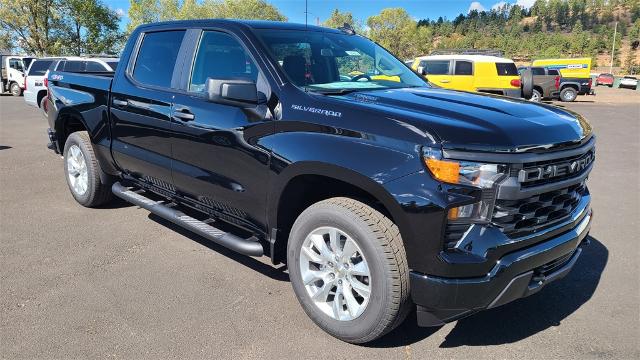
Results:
183 114
444 81
117 102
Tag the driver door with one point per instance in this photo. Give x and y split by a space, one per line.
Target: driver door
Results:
218 157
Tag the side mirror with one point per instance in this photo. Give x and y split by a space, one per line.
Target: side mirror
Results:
422 70
235 92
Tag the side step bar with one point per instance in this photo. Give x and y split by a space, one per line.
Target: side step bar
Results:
230 241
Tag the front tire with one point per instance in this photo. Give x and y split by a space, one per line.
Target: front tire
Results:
82 171
568 94
16 90
348 269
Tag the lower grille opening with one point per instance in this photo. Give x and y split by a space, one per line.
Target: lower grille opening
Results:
453 233
550 267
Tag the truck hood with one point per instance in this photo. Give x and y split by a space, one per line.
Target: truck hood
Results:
463 120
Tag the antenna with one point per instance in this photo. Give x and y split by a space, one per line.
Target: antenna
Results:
306 12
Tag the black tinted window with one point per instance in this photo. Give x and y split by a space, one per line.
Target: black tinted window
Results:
220 56
95 66
553 72
507 69
113 64
537 71
157 57
39 67
74 66
437 67
464 68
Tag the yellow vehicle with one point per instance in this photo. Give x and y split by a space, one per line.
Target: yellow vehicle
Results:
569 68
480 73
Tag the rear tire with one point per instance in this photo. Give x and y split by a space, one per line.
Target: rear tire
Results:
568 94
82 171
15 89
44 105
378 245
536 96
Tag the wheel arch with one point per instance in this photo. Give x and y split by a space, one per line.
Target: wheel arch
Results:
291 195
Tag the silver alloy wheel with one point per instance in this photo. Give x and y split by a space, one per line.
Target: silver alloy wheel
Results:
568 96
15 89
335 273
535 97
77 170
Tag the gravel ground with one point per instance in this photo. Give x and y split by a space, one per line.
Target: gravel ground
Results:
120 283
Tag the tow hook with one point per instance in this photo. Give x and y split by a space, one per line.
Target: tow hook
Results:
539 279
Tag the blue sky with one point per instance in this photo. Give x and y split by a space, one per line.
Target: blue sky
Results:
362 9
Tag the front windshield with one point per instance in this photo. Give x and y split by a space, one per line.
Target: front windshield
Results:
330 62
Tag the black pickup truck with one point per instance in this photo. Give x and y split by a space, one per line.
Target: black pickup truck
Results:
319 149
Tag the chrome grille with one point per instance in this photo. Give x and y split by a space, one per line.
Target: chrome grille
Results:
531 214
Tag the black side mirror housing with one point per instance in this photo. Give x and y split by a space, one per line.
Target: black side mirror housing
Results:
235 92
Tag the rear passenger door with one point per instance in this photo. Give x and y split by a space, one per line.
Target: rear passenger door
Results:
463 76
218 159
141 102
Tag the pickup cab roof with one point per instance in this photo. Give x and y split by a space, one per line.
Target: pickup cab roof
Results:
254 24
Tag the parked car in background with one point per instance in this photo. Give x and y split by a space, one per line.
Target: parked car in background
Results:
629 82
479 73
37 75
35 89
605 79
12 74
546 83
83 64
575 73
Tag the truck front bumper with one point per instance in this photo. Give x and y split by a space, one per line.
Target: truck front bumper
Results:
517 274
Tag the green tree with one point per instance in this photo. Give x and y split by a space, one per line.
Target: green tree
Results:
241 9
338 19
393 29
90 27
34 25
6 41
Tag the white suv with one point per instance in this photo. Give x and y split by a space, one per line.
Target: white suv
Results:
35 85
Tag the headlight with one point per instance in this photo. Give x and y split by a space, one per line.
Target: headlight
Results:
480 175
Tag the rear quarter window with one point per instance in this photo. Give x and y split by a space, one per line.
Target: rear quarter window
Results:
39 67
464 68
507 69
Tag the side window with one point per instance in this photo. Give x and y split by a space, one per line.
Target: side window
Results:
464 68
15 64
538 71
553 72
437 67
220 56
157 57
74 66
59 67
95 66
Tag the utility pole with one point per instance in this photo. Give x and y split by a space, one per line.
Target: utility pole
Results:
613 48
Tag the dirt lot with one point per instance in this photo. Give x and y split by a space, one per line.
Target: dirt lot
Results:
119 283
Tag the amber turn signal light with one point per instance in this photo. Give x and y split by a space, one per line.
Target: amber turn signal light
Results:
446 171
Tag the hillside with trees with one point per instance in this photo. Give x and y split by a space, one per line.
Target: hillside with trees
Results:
550 28
553 28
